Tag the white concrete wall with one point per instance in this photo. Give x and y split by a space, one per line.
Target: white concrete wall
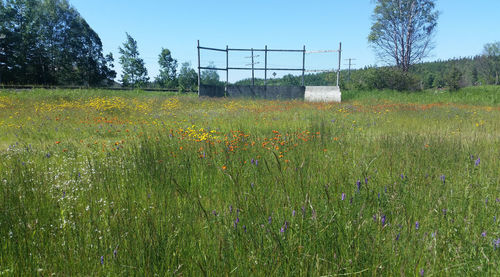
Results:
322 94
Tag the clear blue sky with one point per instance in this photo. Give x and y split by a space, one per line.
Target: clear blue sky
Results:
463 28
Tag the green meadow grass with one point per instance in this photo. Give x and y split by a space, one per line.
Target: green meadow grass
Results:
152 184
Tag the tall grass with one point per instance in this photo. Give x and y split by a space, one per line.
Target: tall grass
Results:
247 187
481 95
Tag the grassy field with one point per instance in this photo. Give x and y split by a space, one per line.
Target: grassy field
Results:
134 183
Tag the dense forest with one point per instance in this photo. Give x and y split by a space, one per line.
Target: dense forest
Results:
47 42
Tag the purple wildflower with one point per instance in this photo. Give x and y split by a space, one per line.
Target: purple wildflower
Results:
417 225
472 157
496 242
402 176
443 179
383 220
422 272
252 161
397 237
64 193
269 220
483 234
293 213
237 220
366 181
343 196
378 195
444 212
282 230
245 228
374 217
230 208
477 161
102 259
252 185
358 183
256 162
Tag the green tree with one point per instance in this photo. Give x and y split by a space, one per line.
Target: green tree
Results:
188 78
290 80
210 76
491 61
402 30
474 76
168 70
134 71
48 42
454 79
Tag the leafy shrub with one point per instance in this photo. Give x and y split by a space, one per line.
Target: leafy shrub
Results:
388 78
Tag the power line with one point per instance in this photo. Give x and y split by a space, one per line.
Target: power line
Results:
350 64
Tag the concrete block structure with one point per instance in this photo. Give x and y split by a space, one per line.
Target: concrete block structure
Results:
322 94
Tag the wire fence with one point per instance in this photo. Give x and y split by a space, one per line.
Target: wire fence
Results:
251 66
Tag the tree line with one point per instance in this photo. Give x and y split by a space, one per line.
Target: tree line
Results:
48 42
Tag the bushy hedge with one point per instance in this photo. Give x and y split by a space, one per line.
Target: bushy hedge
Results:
387 78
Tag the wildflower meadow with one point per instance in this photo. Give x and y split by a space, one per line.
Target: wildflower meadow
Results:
96 182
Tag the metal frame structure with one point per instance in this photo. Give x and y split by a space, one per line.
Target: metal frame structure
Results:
265 68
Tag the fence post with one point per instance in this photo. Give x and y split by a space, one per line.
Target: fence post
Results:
303 64
199 70
227 67
265 66
253 76
340 57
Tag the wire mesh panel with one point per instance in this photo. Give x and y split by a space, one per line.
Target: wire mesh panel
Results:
262 64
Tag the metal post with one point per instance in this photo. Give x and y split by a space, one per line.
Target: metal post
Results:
253 80
303 64
265 66
340 57
227 66
199 70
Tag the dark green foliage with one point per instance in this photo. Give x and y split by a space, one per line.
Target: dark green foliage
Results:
168 70
188 78
385 78
438 82
210 76
134 71
454 79
491 62
48 42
